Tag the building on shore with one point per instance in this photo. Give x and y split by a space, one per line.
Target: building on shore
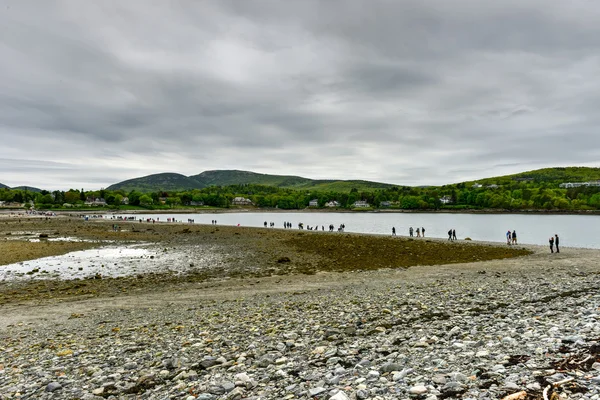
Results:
241 201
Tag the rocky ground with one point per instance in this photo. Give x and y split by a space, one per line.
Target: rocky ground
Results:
476 330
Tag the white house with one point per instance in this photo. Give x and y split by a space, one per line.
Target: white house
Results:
477 185
95 201
361 204
241 201
313 203
332 203
446 200
568 185
125 200
385 204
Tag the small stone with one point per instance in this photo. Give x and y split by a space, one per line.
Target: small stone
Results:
242 377
362 394
373 375
228 386
390 367
312 392
418 390
511 386
52 386
339 396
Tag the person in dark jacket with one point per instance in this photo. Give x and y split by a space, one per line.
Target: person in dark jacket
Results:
551 241
453 234
556 243
450 234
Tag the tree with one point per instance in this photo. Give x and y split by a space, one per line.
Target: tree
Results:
72 197
145 200
172 201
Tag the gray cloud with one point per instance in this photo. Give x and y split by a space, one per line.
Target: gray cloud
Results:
414 92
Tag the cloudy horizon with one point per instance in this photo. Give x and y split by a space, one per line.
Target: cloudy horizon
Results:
413 92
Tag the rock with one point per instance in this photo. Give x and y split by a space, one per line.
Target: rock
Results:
372 375
53 386
312 392
339 396
418 390
390 367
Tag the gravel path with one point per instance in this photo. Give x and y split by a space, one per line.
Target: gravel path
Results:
473 331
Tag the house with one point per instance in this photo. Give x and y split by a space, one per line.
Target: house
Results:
67 205
493 186
477 185
162 200
385 204
332 203
240 201
446 200
196 203
568 185
313 203
95 202
125 200
361 204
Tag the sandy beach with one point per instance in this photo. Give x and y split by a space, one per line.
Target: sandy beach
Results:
275 314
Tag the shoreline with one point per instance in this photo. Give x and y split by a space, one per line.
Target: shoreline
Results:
103 211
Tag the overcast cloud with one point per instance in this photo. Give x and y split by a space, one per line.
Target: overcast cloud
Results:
407 92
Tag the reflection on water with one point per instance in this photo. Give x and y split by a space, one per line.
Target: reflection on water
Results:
111 261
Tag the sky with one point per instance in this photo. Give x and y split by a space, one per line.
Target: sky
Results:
410 92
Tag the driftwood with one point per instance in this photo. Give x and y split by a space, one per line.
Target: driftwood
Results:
516 396
554 385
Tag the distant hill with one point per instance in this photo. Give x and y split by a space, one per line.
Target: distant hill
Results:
27 188
235 177
165 181
174 182
549 175
2 186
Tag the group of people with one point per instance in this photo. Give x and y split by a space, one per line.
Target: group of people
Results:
452 234
419 232
411 231
554 242
511 237
214 222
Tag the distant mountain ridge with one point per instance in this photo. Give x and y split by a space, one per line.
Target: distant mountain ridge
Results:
175 182
2 186
554 174
27 188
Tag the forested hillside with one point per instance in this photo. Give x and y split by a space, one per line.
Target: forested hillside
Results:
532 190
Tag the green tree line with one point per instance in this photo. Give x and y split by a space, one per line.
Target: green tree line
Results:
511 195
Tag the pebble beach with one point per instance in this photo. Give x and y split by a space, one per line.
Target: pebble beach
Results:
279 324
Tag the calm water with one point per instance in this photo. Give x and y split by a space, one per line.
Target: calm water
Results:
574 230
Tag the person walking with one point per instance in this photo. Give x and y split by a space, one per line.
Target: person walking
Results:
423 232
418 232
393 231
551 241
514 237
450 234
453 234
556 243
410 231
